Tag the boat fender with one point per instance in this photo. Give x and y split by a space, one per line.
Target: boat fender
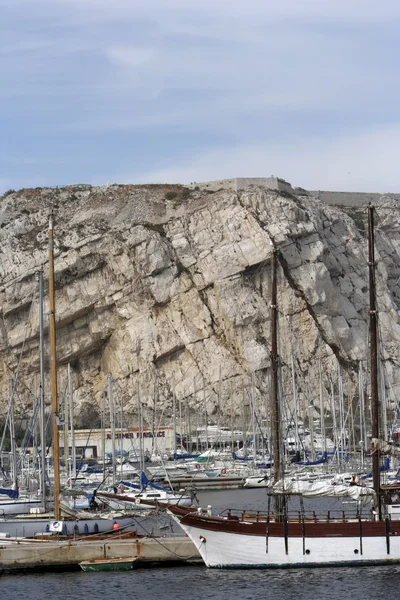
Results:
86 528
96 528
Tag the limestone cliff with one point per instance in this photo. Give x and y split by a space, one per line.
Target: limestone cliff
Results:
168 289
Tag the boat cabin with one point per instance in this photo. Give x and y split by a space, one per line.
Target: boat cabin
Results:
391 499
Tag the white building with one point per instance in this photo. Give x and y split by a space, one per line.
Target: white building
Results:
94 443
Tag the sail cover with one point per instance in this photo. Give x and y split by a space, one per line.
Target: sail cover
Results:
319 489
13 494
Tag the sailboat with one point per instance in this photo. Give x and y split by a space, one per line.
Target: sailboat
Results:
129 493
36 522
276 538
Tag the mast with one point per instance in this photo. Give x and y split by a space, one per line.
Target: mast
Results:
173 414
103 432
112 426
42 405
121 439
276 426
71 420
373 333
140 426
12 436
53 362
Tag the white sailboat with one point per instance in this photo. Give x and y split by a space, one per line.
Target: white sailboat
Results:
276 538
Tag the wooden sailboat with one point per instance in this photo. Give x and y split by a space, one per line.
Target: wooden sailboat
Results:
276 538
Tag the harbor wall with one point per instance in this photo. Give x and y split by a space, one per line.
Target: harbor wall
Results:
25 555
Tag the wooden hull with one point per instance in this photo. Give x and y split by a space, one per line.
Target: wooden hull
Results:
108 564
231 543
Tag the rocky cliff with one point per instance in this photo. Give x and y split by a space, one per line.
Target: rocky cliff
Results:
168 289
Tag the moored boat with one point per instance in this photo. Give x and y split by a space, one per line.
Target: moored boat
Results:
108 564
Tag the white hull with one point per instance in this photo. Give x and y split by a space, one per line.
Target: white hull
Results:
18 507
138 501
256 482
244 539
227 550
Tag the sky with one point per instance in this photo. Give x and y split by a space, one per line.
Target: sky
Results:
177 91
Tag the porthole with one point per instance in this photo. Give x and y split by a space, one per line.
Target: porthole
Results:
308 551
356 551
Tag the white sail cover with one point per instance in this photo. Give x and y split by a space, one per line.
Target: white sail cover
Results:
318 489
385 447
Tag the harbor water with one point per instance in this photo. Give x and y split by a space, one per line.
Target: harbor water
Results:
200 583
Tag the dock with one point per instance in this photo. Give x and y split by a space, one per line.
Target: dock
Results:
24 555
227 482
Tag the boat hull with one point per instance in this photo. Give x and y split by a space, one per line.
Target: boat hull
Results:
245 544
19 507
111 564
34 526
126 501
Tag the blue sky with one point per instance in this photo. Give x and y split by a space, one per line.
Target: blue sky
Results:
129 91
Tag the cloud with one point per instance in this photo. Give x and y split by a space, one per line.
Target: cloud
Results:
220 88
359 11
131 56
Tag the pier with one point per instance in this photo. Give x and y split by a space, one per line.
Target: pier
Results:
43 554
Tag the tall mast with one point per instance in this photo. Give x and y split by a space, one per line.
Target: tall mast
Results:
53 362
373 334
71 421
112 426
276 426
12 435
42 405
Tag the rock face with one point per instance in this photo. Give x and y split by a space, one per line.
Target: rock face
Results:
172 296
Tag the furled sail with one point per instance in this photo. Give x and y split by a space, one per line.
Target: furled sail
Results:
318 489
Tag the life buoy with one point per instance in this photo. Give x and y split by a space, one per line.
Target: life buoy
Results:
223 471
198 467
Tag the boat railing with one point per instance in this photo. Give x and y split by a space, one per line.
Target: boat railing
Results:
295 516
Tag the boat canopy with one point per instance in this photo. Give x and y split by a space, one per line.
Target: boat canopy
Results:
311 463
318 489
184 456
144 482
10 493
